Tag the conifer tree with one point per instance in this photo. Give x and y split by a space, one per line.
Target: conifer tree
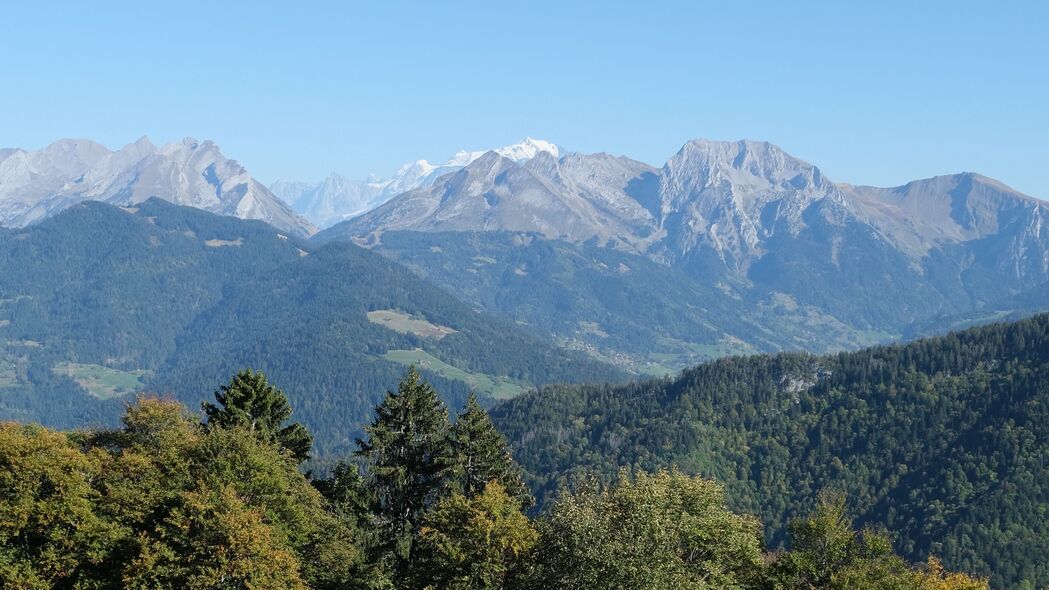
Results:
483 455
346 492
410 462
250 401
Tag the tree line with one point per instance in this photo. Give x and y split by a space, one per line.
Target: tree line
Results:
942 441
173 500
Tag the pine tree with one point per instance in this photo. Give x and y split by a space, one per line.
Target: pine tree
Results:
250 401
346 492
410 462
483 455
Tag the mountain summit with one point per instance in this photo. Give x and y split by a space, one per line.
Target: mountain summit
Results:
338 198
35 185
749 214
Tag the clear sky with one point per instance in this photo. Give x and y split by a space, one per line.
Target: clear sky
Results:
872 92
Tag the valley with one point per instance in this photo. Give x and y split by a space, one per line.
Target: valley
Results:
732 314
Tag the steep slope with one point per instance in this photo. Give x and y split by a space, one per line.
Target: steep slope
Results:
620 307
571 199
749 214
338 198
1019 306
36 185
942 440
98 302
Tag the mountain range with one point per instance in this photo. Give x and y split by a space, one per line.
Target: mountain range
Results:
816 261
750 248
100 302
338 198
37 184
726 204
167 269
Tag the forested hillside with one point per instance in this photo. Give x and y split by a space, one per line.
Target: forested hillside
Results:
99 302
169 501
642 315
942 440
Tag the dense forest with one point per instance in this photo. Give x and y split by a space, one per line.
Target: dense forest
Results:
99 302
645 315
176 500
942 441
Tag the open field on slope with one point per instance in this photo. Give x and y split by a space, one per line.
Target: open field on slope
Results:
497 387
405 324
102 382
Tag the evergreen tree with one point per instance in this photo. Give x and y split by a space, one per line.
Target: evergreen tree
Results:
250 401
410 462
484 456
347 492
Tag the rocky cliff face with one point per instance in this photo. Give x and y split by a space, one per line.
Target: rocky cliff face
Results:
35 185
749 211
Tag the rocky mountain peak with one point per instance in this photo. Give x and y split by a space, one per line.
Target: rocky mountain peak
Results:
327 203
756 166
35 185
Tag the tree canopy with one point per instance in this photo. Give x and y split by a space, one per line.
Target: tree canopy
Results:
166 501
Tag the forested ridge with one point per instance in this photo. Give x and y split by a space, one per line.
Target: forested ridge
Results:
173 499
172 299
943 441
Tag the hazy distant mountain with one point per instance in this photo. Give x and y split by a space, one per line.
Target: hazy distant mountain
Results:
748 214
338 198
35 185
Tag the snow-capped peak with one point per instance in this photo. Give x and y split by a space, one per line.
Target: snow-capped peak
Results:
518 152
326 207
416 168
528 149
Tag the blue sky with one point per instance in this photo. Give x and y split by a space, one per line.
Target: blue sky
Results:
872 92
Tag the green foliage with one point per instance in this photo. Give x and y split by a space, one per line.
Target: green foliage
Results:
474 543
659 532
941 441
48 525
161 502
410 463
347 492
212 539
104 293
166 502
483 455
249 401
827 554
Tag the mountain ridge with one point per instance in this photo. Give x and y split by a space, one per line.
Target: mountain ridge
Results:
337 197
941 440
37 184
99 302
769 228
